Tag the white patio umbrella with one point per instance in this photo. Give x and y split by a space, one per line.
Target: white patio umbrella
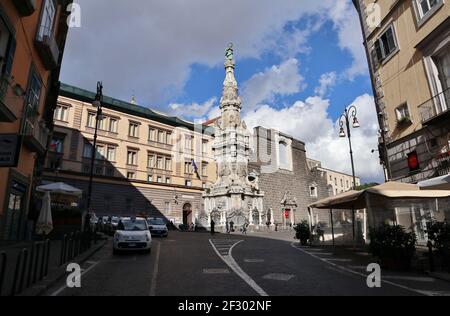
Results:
44 224
60 188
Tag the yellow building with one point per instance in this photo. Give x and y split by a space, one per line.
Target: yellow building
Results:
408 48
146 162
32 41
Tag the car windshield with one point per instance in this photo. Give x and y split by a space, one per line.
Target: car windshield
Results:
156 221
136 225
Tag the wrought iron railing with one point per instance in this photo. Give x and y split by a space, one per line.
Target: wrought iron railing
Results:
443 164
436 106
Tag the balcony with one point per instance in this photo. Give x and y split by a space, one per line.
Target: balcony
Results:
47 47
436 109
443 164
25 7
35 135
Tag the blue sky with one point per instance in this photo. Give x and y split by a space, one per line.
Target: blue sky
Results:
299 64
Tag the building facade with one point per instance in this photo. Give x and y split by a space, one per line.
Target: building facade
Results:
408 50
32 41
289 183
235 196
338 182
145 162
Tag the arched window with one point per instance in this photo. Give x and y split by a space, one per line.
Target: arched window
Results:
285 162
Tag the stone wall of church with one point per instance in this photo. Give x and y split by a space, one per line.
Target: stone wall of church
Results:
277 183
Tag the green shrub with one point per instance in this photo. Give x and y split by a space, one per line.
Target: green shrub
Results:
303 232
393 245
439 234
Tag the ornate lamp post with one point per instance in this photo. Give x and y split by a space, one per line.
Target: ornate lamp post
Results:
350 115
98 104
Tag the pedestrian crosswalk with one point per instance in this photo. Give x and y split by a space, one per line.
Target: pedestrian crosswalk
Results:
223 246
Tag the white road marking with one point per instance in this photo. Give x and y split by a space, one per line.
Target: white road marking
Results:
407 278
279 277
229 260
216 271
360 274
155 271
254 260
62 288
339 260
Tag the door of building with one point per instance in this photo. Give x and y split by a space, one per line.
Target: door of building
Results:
14 217
187 214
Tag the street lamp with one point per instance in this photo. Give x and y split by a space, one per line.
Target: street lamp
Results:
97 104
350 115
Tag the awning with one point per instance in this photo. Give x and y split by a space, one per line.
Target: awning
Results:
60 188
436 183
391 190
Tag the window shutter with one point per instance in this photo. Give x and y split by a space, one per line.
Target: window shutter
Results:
378 51
10 56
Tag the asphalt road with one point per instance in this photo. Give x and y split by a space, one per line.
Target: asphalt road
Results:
192 264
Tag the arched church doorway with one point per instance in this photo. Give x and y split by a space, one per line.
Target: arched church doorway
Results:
187 214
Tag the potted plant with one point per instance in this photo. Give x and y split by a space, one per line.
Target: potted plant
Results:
303 232
393 245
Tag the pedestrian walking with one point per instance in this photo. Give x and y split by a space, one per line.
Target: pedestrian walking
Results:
244 228
232 226
213 224
227 226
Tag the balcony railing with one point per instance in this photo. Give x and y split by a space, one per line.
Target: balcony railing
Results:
437 106
47 47
443 164
35 135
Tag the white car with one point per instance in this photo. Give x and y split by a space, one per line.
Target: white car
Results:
132 234
157 226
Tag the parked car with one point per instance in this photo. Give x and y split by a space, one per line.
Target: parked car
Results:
132 234
158 226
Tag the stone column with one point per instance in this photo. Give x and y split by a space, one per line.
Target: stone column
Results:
272 219
293 217
250 217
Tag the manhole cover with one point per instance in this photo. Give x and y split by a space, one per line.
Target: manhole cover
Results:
278 277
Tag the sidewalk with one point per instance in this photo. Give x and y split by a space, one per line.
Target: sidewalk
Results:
55 271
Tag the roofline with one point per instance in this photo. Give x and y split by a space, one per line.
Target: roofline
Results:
342 173
87 96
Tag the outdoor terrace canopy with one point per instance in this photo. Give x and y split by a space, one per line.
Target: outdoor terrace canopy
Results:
390 190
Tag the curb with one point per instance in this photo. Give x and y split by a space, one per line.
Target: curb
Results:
57 273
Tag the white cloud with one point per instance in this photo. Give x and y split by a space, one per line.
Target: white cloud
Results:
310 122
150 46
326 82
193 109
284 79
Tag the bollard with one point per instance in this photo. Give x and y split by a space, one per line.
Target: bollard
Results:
24 266
16 274
2 269
47 259
36 261
42 266
30 266
430 255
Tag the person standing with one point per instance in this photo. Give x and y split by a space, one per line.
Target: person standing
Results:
232 226
213 224
227 226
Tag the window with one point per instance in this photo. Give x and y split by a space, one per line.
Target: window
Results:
169 138
100 153
61 113
151 161
168 164
99 170
204 169
161 138
47 20
188 142
159 179
205 146
57 145
335 181
133 130
34 91
188 183
110 172
87 150
7 50
86 169
313 191
342 183
167 207
425 8
188 167
150 178
131 175
111 154
386 45
132 157
285 160
151 134
91 120
402 113
159 163
102 123
168 180
113 125
348 185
